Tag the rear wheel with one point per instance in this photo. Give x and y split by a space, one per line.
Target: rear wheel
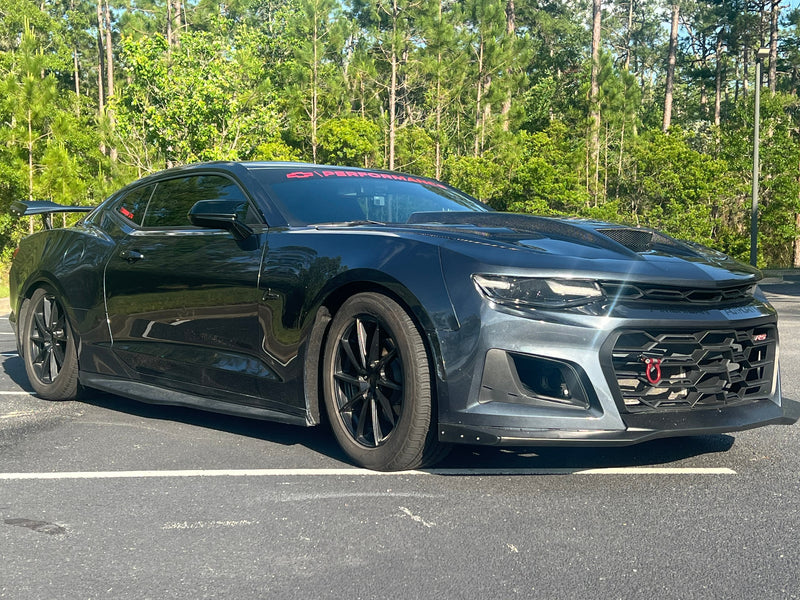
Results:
377 385
48 347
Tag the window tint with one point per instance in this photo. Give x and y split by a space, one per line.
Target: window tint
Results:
325 196
170 204
133 204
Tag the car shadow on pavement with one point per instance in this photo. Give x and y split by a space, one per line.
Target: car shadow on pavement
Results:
321 441
14 369
654 452
485 458
317 439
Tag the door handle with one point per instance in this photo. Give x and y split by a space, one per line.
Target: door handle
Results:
131 255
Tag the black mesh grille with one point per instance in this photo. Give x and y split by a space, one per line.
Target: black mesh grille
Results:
633 292
638 240
692 369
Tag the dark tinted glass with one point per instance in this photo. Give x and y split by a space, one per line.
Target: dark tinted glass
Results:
332 196
170 204
133 204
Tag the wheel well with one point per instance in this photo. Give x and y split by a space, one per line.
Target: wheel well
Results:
24 300
319 335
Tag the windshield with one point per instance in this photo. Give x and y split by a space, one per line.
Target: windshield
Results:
312 196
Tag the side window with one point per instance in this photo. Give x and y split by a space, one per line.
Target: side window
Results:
133 204
170 204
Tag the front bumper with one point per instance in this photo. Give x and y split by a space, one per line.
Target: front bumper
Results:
738 418
732 376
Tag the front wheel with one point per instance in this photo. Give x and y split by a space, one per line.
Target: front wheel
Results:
48 346
377 386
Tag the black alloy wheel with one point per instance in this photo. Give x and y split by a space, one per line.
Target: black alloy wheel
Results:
49 348
369 381
377 385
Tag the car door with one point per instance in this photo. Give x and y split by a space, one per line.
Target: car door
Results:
182 301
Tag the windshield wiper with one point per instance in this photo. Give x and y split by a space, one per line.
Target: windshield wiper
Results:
350 223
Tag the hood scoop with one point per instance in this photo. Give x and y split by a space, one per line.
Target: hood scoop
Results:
641 240
638 240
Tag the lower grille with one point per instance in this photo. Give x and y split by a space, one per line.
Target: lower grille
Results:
694 369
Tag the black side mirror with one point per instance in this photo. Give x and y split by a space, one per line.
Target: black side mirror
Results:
220 214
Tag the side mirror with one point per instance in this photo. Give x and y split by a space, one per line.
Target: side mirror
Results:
220 214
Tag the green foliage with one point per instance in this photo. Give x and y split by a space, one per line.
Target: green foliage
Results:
205 100
480 176
351 141
416 152
42 142
547 181
491 99
676 188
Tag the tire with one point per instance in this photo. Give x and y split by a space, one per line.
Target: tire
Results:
377 386
48 345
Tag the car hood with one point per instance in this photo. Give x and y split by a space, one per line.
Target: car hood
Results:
591 248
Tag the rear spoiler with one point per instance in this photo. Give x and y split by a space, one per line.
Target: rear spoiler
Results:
25 208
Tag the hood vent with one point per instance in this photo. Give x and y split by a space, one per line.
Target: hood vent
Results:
638 240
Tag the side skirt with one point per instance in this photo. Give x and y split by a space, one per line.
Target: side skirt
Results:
152 394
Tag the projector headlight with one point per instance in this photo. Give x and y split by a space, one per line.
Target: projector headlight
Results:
538 293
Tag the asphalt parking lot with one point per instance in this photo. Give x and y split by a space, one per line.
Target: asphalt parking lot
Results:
110 498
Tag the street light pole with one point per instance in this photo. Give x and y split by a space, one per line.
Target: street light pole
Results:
760 56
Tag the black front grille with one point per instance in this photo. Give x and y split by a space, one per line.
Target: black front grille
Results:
693 369
635 292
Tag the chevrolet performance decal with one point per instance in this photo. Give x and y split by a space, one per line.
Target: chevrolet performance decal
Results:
370 174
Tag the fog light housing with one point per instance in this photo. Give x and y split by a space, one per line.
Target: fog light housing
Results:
535 380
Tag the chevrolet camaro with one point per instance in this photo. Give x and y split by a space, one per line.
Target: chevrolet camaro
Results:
401 311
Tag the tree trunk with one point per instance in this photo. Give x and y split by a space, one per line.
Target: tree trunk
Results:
718 81
594 103
796 262
478 100
745 74
439 123
109 53
100 68
511 28
173 22
30 154
177 26
109 74
773 47
628 36
75 65
76 71
314 84
169 24
671 59
393 89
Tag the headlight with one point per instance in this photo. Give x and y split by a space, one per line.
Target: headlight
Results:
538 293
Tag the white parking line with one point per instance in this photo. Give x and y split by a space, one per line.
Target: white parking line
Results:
352 471
16 393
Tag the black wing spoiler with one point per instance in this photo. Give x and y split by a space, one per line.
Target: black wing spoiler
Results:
45 208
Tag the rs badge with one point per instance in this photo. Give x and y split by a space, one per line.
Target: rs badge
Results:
652 369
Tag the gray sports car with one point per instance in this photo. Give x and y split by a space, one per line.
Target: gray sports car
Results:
408 313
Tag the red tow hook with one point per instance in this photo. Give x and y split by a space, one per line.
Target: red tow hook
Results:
653 370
